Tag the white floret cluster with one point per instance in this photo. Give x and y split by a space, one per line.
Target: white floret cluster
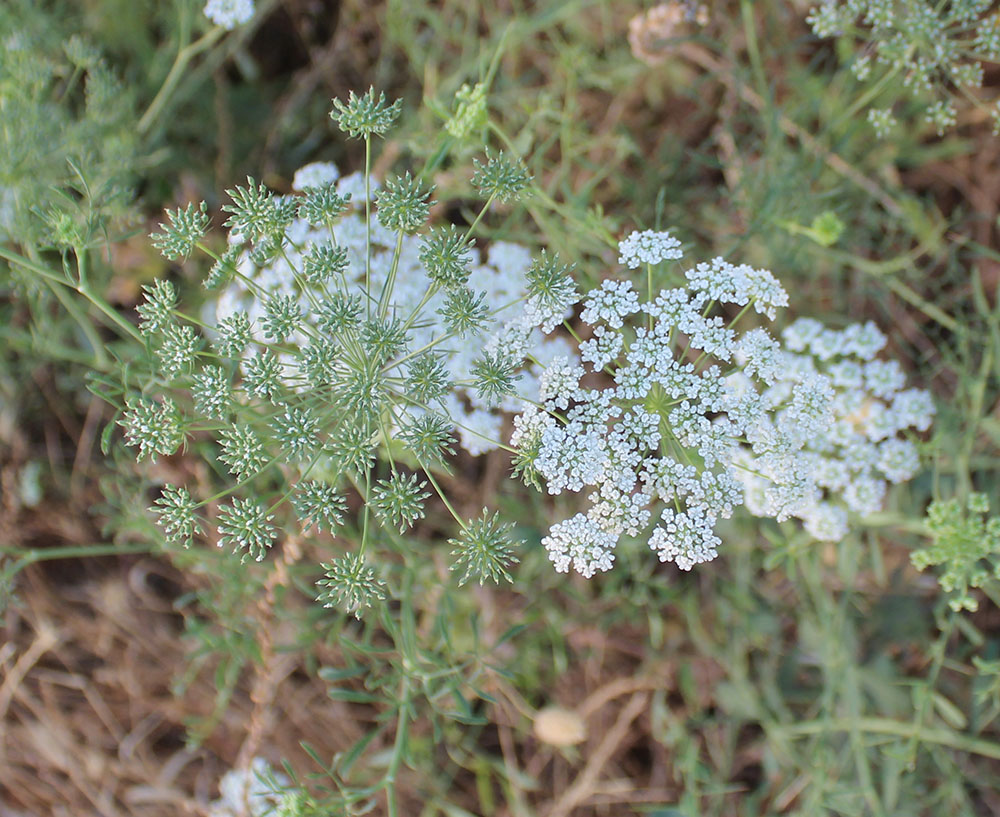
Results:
654 427
648 247
852 448
229 13
499 277
670 417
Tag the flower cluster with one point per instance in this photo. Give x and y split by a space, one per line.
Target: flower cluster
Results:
454 297
644 418
853 440
669 417
933 48
344 351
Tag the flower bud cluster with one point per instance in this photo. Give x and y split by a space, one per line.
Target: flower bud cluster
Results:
936 50
345 349
453 297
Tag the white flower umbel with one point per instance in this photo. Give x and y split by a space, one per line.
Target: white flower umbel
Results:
854 419
350 343
650 425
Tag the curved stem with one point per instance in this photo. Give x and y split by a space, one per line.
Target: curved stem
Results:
184 56
73 552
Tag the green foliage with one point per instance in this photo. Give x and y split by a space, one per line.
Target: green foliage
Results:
965 544
68 148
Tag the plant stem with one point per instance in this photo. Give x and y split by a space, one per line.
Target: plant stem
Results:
398 746
70 552
889 726
184 56
368 222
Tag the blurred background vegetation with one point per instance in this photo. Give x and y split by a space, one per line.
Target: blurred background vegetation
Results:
785 677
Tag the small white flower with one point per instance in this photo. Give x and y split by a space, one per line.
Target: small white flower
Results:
229 13
863 340
826 522
762 354
581 544
559 383
898 459
685 538
727 283
648 247
601 349
611 303
864 495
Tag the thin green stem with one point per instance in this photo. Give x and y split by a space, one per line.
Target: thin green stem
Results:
479 217
72 552
368 221
444 499
366 513
184 55
398 746
894 728
390 281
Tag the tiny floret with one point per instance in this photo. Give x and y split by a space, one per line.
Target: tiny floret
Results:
184 229
350 585
501 178
177 515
